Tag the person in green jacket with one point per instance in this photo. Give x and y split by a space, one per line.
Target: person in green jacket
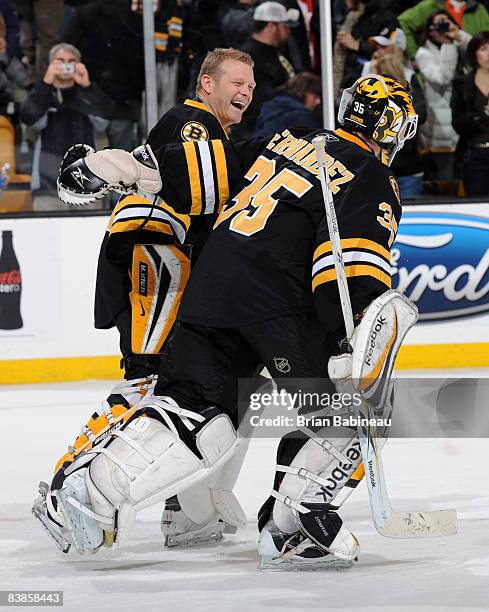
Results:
471 16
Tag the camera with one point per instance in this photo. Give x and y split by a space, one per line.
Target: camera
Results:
67 68
441 26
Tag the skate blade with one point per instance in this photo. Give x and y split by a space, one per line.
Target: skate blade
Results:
187 539
62 543
309 565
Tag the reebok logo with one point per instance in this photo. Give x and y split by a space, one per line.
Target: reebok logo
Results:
379 324
79 177
341 472
371 473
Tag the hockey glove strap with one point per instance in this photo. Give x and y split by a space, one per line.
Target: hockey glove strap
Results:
86 176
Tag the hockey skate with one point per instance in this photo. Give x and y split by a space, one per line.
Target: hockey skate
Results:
179 530
41 512
288 552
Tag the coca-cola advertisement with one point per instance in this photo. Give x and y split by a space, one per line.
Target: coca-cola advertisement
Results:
10 285
31 285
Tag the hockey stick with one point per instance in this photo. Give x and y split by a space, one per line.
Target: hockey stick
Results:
388 521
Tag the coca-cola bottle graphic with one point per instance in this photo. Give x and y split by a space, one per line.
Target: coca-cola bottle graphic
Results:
10 285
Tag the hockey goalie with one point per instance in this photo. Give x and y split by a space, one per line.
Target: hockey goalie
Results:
264 293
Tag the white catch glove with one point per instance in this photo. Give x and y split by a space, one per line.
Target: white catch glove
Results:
86 176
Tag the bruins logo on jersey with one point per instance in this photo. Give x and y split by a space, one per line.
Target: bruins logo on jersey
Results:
395 188
193 130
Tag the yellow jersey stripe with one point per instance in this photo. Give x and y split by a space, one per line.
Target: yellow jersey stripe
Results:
353 243
135 224
194 177
352 271
358 141
222 172
200 105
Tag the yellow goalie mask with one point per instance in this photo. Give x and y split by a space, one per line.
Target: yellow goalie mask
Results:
381 108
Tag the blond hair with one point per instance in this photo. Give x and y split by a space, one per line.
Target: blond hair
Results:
212 64
393 63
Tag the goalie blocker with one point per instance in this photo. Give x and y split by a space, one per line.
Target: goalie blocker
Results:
86 176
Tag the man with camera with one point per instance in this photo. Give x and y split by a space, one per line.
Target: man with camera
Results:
63 108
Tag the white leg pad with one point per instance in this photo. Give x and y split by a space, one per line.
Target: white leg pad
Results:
316 476
147 463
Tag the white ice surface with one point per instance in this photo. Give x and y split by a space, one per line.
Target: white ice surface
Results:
39 421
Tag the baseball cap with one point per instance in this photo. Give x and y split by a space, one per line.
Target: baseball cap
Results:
276 12
389 38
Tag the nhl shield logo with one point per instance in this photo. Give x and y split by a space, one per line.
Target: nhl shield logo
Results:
282 365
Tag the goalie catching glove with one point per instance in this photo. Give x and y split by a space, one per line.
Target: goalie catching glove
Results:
86 175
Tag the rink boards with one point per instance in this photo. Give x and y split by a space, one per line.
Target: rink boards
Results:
440 260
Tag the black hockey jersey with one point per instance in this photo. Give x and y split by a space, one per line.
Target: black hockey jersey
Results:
129 224
270 254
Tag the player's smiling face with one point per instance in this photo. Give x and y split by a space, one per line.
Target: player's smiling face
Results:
230 95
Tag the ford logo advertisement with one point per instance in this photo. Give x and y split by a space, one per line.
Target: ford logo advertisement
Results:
440 260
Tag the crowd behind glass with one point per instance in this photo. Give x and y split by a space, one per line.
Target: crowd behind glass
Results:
74 72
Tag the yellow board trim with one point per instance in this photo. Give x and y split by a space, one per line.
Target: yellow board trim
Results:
60 369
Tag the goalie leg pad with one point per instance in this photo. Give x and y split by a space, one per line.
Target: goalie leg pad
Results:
376 343
318 480
148 462
202 512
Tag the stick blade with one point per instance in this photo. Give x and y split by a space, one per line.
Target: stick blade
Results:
432 524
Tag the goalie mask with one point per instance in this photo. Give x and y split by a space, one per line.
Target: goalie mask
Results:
381 108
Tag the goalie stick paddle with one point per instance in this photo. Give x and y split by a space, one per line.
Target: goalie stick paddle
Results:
387 521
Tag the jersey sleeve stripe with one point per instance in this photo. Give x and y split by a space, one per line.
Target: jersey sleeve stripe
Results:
208 176
194 178
350 257
142 214
222 172
353 243
352 271
135 225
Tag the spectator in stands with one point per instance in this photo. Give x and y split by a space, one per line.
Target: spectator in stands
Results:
64 108
237 22
386 43
470 16
294 105
437 58
352 47
271 23
40 22
470 117
168 40
203 33
390 59
298 43
12 74
110 38
12 29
